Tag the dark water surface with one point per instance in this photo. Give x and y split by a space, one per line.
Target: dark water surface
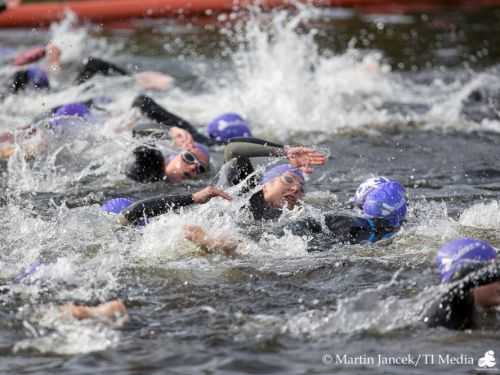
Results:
412 97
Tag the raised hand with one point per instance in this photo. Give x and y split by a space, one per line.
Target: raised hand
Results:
304 158
204 195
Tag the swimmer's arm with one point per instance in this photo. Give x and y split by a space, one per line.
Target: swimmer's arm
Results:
208 245
160 205
251 148
110 310
155 112
95 66
154 206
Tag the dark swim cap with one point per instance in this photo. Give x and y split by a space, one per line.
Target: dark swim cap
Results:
457 258
147 166
116 205
227 126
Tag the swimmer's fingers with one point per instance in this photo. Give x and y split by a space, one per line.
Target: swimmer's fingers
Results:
153 80
304 157
208 193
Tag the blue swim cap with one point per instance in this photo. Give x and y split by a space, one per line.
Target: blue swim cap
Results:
227 126
37 77
457 257
365 187
387 202
116 205
72 109
279 170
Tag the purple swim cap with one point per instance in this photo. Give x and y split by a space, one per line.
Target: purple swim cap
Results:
365 187
72 109
38 77
279 170
387 202
227 126
455 257
116 205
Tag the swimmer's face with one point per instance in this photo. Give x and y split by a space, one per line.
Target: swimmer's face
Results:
487 296
188 164
285 190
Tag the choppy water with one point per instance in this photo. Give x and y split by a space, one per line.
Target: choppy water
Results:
382 94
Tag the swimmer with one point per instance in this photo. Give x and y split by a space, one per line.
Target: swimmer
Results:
279 187
472 270
382 205
220 130
29 138
36 77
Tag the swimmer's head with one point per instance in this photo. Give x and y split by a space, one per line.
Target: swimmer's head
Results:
461 256
72 109
116 205
32 77
189 163
365 187
60 114
228 126
387 202
457 258
38 78
283 185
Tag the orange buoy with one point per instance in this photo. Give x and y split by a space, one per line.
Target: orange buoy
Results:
105 11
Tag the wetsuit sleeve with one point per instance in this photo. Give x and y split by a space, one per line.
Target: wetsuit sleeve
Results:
95 66
155 206
251 148
455 309
239 151
157 113
3 6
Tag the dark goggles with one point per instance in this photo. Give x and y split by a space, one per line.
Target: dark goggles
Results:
190 158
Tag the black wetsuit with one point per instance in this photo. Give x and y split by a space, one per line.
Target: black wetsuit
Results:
141 210
3 6
165 120
456 309
94 66
341 228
